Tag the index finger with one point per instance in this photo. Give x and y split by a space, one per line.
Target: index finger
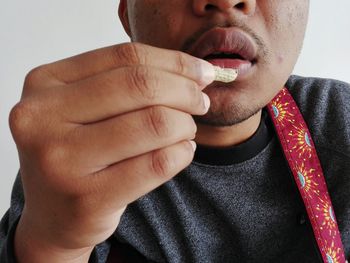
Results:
128 54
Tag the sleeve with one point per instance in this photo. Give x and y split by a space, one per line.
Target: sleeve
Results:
9 222
8 226
6 240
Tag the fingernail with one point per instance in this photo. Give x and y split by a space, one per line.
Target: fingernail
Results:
194 145
206 101
207 72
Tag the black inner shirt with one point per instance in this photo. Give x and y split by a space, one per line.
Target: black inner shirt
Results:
241 152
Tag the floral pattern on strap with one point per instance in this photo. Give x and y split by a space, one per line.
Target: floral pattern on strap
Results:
300 152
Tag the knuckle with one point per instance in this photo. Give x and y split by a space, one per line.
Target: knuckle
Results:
143 84
33 77
21 121
130 53
161 163
158 121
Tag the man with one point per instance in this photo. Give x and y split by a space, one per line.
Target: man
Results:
102 135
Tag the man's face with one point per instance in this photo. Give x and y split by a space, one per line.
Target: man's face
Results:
262 38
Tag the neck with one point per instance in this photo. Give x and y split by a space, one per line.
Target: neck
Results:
229 135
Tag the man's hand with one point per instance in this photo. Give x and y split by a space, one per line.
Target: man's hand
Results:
95 132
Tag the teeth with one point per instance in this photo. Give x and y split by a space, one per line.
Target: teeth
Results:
225 75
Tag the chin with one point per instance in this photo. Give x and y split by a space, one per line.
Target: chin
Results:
227 116
231 104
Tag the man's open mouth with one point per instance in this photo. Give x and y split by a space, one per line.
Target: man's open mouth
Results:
227 48
223 55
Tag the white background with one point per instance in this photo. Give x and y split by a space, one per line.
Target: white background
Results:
37 31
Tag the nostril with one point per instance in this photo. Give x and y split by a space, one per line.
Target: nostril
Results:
240 6
224 6
209 7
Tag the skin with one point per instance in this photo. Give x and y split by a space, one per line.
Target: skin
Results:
97 131
240 102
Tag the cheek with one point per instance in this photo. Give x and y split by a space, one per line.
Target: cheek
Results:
280 59
286 30
145 20
158 24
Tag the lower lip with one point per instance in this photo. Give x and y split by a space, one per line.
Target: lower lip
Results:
244 67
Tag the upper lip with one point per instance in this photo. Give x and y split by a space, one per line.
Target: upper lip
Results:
225 40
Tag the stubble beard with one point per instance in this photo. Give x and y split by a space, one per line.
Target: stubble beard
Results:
227 115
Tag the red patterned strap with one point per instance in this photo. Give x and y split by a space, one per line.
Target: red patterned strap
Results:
302 158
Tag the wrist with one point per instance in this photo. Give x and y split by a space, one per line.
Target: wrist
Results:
29 248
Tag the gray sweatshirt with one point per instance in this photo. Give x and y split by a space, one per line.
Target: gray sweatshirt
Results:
235 205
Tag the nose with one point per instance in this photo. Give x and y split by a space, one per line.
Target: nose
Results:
204 7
